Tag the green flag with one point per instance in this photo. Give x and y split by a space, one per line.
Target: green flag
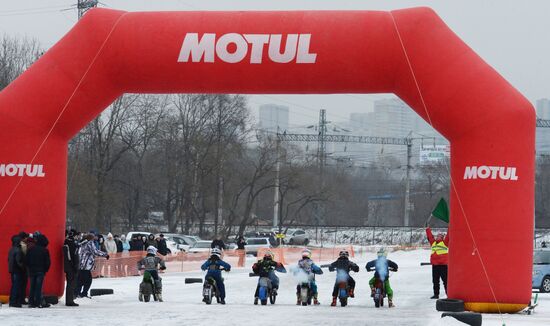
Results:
441 211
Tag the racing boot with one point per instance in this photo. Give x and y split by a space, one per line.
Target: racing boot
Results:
333 303
351 294
372 292
256 300
390 303
315 301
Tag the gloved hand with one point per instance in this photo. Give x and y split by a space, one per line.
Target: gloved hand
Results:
162 268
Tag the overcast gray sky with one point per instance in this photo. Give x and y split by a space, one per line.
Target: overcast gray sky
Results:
512 36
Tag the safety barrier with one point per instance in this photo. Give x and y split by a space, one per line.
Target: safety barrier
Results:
125 263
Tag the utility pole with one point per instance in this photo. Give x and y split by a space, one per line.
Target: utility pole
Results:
85 5
408 182
321 157
276 196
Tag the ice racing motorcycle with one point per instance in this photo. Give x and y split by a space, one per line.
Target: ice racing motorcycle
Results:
150 287
210 290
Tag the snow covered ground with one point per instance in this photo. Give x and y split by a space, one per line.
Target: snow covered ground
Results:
183 306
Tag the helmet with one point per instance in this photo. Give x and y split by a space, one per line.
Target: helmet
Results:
382 252
344 253
269 255
216 252
306 253
151 250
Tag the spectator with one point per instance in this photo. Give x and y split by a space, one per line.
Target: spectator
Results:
38 263
16 268
241 242
88 252
543 244
71 263
24 236
101 241
125 243
218 243
151 241
136 244
110 244
161 245
119 245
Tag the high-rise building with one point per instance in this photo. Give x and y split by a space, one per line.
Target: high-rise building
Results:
543 134
543 108
273 117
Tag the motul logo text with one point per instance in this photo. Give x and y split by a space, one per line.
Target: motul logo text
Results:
490 172
19 170
233 48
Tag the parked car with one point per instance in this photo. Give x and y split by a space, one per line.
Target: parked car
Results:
176 242
201 246
253 244
295 237
140 234
541 270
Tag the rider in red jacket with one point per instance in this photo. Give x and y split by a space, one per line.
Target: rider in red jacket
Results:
439 259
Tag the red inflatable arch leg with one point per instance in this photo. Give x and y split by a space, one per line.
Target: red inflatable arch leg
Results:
410 52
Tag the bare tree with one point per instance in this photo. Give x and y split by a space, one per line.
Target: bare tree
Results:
16 55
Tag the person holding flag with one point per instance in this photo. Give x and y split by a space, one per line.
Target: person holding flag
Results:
440 248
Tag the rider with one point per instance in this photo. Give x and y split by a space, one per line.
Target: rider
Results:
381 266
310 269
266 267
151 263
214 265
343 266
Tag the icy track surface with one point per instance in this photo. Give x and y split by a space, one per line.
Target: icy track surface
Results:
412 289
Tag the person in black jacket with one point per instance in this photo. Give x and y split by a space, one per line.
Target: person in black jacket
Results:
16 268
218 243
38 263
162 247
119 246
70 265
343 266
136 243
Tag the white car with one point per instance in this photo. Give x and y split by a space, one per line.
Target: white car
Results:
253 244
176 242
201 246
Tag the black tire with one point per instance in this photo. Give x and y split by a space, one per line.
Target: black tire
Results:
545 285
96 292
452 305
291 242
376 303
189 280
264 302
272 298
469 318
306 242
146 297
304 303
343 302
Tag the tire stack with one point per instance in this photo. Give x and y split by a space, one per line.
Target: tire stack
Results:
455 308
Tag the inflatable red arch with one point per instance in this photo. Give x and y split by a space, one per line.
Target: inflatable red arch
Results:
410 52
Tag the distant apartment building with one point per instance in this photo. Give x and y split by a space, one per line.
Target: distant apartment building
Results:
273 117
543 134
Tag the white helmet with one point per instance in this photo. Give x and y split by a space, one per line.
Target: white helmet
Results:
306 253
151 250
216 252
382 252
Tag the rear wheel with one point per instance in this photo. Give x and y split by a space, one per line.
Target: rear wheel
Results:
147 297
545 286
272 297
264 302
343 302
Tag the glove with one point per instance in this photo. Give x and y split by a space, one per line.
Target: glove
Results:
107 257
162 268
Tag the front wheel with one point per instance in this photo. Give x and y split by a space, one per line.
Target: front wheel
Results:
343 302
545 286
147 297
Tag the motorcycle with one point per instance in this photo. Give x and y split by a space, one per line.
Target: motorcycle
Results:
210 290
266 290
379 291
343 287
150 287
306 293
